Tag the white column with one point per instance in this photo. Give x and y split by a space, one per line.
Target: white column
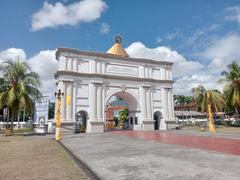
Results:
166 103
69 63
146 72
103 67
170 74
98 66
143 103
74 101
163 73
165 108
148 97
93 66
150 72
93 100
74 65
99 102
62 63
170 105
141 71
66 63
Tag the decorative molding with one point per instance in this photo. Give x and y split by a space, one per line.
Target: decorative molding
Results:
122 69
101 56
123 87
110 76
96 122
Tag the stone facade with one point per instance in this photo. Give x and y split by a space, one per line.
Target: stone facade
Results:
90 79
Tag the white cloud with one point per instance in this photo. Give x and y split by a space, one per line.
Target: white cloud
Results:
187 73
181 65
12 54
222 52
43 63
105 28
184 84
233 13
58 14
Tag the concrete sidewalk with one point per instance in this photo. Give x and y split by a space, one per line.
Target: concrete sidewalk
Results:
120 157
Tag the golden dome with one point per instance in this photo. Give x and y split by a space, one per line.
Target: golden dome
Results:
117 49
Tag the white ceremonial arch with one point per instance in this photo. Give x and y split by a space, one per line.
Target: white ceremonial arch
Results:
90 79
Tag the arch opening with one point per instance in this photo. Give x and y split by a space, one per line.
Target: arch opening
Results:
157 116
81 121
121 111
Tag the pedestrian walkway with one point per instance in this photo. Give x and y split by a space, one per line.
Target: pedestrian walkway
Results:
208 142
116 155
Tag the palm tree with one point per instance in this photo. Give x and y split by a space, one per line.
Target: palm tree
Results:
215 99
18 87
208 101
232 86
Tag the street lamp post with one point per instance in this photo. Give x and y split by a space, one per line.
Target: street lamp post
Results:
59 96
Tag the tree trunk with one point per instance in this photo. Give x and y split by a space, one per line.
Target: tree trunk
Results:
237 119
236 110
11 127
18 121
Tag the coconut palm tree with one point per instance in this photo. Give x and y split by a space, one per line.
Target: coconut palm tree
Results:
232 86
208 101
201 98
18 87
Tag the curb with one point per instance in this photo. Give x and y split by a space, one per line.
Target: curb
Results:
90 174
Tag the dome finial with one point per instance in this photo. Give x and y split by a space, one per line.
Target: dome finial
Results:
117 49
118 39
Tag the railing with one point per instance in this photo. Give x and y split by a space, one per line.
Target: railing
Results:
16 125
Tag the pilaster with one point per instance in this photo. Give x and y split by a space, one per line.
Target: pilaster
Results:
95 124
146 108
99 102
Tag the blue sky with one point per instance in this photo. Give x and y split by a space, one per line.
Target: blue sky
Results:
186 31
136 20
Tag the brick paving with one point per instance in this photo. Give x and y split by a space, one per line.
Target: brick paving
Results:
212 143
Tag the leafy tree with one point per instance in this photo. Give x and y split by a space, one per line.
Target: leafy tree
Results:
18 87
231 78
51 110
182 100
123 115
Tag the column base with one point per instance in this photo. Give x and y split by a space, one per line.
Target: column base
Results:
148 125
95 127
170 124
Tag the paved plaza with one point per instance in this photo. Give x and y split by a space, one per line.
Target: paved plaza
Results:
122 155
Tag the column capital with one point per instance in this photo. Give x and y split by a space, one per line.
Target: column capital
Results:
146 86
96 81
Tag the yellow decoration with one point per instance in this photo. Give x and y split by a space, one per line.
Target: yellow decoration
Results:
211 126
68 99
58 136
117 49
